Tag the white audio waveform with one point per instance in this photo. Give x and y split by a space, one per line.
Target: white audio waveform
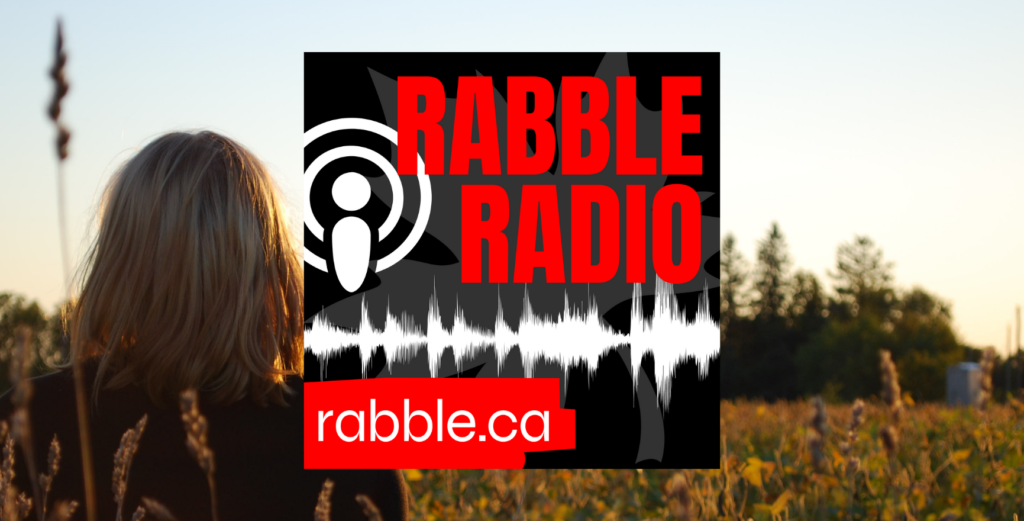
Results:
570 338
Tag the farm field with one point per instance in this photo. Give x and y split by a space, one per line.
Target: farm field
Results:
947 463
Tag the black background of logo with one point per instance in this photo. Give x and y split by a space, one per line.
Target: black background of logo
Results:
608 417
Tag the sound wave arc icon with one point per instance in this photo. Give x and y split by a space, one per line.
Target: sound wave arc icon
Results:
398 197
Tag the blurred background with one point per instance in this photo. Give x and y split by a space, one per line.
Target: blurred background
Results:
872 190
899 124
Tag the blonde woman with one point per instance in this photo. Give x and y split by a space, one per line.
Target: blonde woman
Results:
193 282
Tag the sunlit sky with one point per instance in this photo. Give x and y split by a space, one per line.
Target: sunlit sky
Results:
903 121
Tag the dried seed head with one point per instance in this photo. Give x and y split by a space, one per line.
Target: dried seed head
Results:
890 439
60 90
196 429
890 379
52 466
370 509
817 432
20 427
816 444
53 457
24 506
892 397
323 502
157 510
123 461
63 140
7 491
891 393
856 419
7 467
988 361
857 414
10 503
853 465
678 492
819 420
63 510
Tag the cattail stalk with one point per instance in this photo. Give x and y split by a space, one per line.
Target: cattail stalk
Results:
196 428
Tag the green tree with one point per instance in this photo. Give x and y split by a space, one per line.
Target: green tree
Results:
16 311
733 269
770 278
924 343
807 310
862 279
841 359
770 343
738 349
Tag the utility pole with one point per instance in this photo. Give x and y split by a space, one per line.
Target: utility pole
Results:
1020 366
1006 361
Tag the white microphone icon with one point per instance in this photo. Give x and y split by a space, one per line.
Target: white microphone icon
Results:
351 238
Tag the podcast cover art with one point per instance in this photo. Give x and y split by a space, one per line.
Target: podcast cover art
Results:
511 260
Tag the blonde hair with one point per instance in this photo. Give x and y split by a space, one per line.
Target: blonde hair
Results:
193 280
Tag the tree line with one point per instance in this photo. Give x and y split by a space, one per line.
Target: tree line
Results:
49 341
785 336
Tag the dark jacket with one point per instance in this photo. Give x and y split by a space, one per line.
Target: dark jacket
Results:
257 451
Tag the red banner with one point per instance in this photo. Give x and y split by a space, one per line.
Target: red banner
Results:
433 422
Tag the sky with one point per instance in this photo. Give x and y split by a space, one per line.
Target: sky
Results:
897 120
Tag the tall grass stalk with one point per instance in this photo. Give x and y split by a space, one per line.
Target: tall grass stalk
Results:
893 398
60 90
846 447
123 462
20 397
198 444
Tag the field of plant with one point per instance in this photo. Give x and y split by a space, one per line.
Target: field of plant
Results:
543 494
947 463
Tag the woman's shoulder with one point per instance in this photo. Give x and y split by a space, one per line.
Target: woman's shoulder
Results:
53 388
58 380
58 387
